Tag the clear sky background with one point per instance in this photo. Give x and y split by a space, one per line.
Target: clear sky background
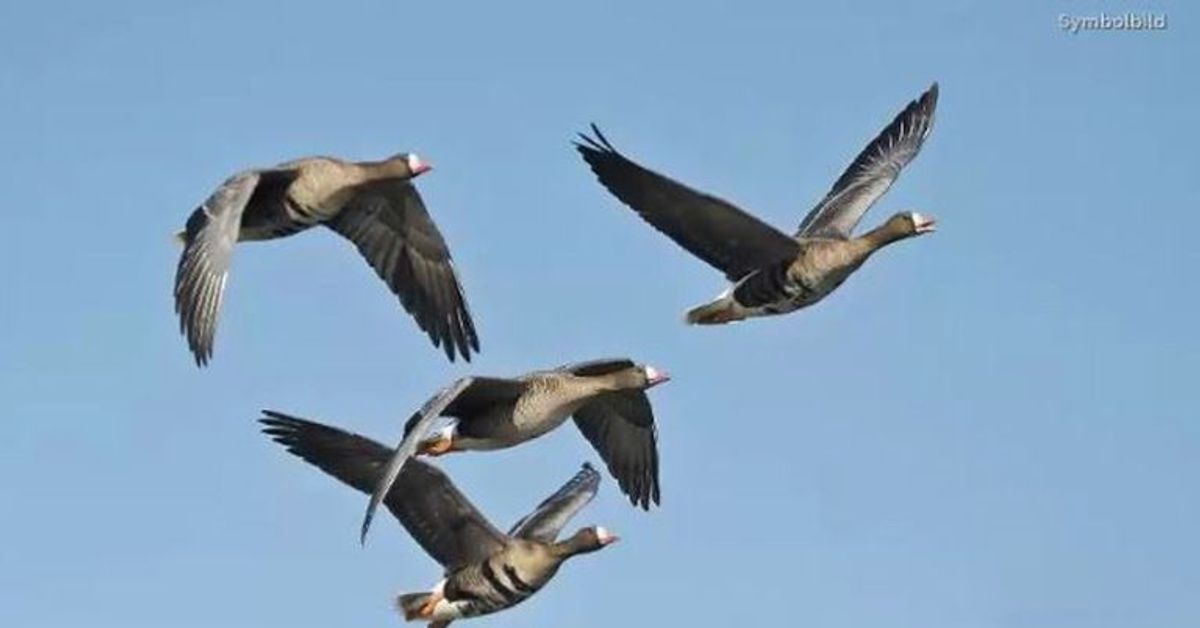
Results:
992 426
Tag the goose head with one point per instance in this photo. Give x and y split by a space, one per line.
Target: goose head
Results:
653 376
407 165
898 227
588 540
912 224
640 377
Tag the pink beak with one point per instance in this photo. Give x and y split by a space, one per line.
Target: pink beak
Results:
655 377
417 165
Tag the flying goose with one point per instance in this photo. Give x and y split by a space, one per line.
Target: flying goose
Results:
606 397
772 273
371 203
485 571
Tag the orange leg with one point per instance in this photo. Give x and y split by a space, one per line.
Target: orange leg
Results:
436 446
426 609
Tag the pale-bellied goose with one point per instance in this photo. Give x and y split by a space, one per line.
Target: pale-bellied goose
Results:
371 203
771 272
485 571
606 397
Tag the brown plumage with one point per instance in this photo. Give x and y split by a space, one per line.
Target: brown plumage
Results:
373 204
771 272
606 397
485 570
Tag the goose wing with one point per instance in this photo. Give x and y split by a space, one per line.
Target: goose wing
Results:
873 171
388 223
466 394
441 519
208 240
716 231
603 366
437 515
547 520
620 426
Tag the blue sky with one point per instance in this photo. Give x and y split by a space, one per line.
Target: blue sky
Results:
993 426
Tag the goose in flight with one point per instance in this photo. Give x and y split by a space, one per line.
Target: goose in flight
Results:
371 203
485 571
607 398
770 272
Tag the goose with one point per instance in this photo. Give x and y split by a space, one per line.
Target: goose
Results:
371 203
485 571
606 397
770 272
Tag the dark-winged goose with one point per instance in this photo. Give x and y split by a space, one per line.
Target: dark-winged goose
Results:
606 397
772 273
485 571
372 203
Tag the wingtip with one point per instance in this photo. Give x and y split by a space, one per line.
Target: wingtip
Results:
930 97
362 533
588 144
273 417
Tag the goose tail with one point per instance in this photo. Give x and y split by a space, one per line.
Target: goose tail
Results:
718 312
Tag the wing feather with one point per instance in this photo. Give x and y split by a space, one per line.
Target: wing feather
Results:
209 238
873 171
388 222
710 228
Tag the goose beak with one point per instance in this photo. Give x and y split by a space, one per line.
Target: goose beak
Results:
924 224
605 537
655 377
417 165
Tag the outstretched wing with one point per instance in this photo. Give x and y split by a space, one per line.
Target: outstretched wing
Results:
873 171
620 425
388 223
441 519
408 446
548 519
712 229
211 232
437 515
354 460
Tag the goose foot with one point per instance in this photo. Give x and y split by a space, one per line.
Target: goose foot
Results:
430 604
436 446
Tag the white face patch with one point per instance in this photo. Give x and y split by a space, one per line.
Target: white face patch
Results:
604 536
415 164
654 376
921 224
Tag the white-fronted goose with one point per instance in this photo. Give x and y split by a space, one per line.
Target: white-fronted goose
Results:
485 571
606 397
371 203
772 273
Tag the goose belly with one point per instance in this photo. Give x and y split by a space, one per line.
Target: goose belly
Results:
489 587
799 289
539 414
447 610
791 297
